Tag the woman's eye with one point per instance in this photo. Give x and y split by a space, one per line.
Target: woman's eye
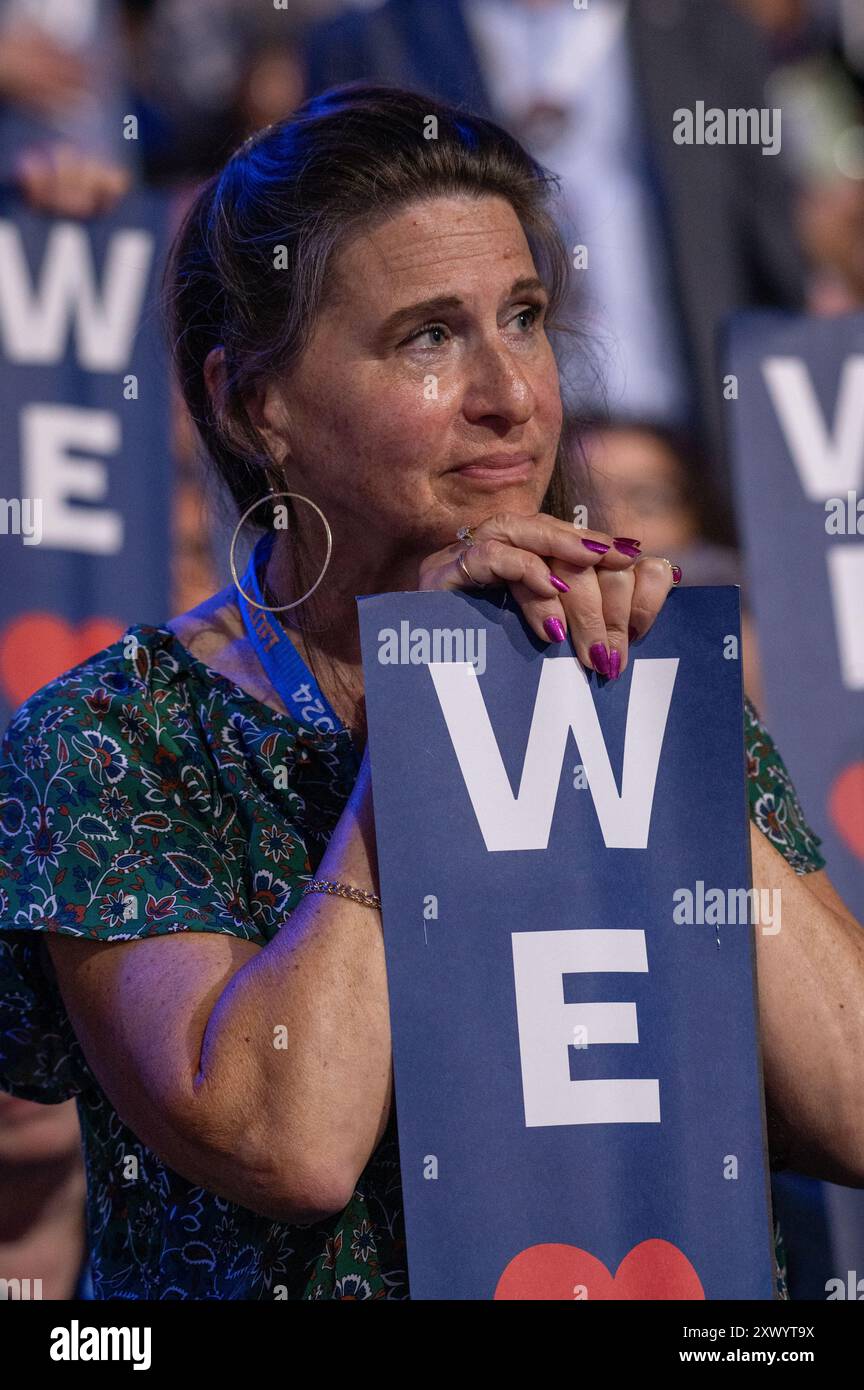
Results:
531 313
425 332
438 334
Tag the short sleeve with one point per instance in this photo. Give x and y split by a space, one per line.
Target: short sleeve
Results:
40 1057
774 805
114 825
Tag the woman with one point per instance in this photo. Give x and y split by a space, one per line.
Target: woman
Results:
360 305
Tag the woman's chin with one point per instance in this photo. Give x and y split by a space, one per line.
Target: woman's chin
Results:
476 490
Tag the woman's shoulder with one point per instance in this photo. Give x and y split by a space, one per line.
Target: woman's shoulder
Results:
129 667
212 634
148 675
142 770
138 733
137 796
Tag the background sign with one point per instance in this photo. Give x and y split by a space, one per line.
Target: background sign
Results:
798 447
799 454
85 468
577 1073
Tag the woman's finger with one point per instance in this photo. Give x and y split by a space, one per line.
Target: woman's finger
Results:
583 607
616 594
559 540
581 617
653 578
594 594
493 562
551 612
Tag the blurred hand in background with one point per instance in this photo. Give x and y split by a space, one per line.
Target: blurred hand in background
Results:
67 182
42 1195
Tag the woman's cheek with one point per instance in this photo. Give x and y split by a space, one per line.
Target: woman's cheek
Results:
547 394
415 415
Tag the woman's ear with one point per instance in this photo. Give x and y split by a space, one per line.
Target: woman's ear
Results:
267 412
263 403
214 379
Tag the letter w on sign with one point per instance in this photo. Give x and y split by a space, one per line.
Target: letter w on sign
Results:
563 703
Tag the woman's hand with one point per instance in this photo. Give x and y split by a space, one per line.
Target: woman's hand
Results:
600 588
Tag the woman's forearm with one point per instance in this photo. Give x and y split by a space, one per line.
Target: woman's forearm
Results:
302 1031
811 1005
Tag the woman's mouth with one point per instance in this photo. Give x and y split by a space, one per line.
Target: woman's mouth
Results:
495 470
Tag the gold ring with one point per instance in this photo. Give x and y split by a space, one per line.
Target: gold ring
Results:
460 559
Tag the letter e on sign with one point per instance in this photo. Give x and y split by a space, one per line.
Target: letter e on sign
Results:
540 961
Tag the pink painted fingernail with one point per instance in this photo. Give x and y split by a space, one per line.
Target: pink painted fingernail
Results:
627 540
559 584
599 658
596 546
627 547
676 574
614 665
554 629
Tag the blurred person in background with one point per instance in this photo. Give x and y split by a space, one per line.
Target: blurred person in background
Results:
676 235
817 50
62 105
651 477
42 1195
209 76
217 72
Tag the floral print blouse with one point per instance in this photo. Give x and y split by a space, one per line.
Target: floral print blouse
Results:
138 796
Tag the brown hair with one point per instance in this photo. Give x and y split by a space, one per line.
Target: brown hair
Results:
303 187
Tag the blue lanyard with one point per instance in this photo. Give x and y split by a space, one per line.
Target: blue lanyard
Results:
286 670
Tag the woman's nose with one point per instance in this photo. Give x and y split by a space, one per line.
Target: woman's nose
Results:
497 384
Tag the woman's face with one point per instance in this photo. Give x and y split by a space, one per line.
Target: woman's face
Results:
429 354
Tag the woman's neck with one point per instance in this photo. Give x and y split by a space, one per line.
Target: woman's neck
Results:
327 623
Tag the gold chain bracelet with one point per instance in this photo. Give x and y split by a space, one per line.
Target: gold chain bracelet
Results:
342 890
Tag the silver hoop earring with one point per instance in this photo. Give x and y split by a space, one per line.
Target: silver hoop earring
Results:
270 497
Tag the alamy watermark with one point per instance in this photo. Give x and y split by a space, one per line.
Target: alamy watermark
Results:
20 1290
77 1343
418 646
849 1288
21 516
735 126
723 907
844 516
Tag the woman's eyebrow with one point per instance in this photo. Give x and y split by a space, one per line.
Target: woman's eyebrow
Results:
426 308
525 284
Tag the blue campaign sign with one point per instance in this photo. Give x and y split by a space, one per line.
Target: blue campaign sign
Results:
85 464
798 449
570 962
798 444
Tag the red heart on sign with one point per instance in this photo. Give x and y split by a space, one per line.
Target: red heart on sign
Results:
654 1269
846 807
36 647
